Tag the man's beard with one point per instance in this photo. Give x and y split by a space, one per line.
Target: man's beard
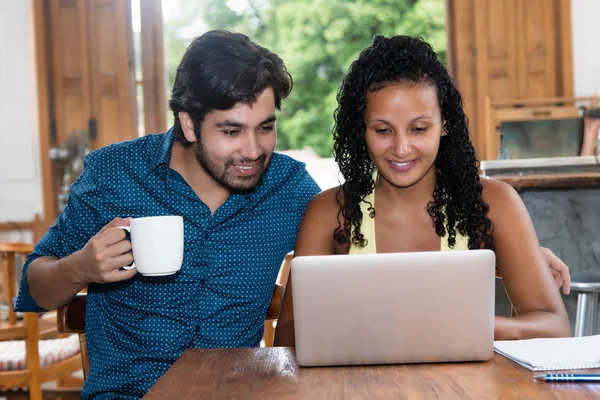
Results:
227 178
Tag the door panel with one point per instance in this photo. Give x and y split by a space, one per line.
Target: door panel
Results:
92 66
69 62
111 68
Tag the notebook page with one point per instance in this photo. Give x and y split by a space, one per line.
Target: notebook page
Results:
554 353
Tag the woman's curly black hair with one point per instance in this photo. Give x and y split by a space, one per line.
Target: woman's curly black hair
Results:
397 60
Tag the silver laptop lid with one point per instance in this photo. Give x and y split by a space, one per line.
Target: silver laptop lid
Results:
394 308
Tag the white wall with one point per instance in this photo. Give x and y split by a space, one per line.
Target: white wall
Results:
586 46
20 176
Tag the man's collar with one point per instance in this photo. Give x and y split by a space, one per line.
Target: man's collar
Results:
166 147
163 149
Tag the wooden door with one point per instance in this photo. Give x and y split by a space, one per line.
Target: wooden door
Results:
92 83
508 49
111 66
70 105
536 51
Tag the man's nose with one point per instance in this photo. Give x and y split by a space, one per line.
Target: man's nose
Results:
251 148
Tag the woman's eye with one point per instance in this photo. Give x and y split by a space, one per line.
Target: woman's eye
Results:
419 129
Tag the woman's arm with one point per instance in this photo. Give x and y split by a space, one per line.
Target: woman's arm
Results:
560 271
315 237
526 276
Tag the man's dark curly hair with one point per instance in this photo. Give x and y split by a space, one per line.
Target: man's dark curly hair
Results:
398 60
221 69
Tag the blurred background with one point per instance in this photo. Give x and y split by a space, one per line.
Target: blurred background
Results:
316 39
77 75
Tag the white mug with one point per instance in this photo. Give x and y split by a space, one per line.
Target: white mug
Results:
157 244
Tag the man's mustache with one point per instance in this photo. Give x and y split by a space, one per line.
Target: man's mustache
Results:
247 161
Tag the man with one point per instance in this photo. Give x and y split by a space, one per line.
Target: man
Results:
241 203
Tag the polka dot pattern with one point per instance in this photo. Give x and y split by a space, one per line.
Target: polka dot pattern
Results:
137 328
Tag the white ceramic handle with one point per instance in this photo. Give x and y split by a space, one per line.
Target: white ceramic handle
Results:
128 229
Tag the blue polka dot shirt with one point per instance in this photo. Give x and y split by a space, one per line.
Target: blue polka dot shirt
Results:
137 328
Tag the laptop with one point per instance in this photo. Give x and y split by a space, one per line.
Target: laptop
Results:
394 308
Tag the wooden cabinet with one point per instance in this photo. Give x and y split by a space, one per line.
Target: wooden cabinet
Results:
508 49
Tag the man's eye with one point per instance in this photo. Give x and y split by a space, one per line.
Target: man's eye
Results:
267 128
232 132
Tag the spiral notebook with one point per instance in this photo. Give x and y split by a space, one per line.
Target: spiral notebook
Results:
552 354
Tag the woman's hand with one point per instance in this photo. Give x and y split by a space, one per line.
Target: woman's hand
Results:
559 270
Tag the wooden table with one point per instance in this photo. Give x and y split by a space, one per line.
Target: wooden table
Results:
272 373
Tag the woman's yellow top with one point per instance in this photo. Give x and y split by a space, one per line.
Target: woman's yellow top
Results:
368 230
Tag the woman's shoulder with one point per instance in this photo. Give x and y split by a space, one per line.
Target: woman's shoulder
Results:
326 202
493 188
499 196
320 221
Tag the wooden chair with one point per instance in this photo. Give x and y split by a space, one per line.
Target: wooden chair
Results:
71 319
27 357
273 313
8 253
12 327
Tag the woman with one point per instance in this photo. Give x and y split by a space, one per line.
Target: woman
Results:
412 184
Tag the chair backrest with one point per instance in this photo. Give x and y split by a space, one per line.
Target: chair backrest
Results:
275 306
276 299
71 319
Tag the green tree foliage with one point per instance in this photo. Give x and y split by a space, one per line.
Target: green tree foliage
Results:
317 39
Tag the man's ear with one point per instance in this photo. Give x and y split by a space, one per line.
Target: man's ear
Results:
187 126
